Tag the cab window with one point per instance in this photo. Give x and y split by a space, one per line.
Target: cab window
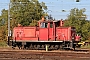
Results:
44 25
51 25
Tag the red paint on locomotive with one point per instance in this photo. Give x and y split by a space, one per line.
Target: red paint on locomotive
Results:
52 31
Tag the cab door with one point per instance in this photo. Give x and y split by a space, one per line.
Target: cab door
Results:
43 32
51 31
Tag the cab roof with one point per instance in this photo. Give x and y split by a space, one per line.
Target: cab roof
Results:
46 21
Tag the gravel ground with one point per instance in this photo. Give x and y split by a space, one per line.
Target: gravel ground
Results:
9 54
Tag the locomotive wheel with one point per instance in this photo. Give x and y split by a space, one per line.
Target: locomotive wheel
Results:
13 47
35 47
38 46
22 47
31 46
56 46
27 48
43 46
60 47
52 47
74 47
19 47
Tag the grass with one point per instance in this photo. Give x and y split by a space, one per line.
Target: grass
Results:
3 44
86 46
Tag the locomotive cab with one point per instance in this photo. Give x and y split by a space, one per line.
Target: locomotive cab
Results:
46 24
48 29
50 23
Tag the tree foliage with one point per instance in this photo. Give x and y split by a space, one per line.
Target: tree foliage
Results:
34 23
3 25
24 11
77 18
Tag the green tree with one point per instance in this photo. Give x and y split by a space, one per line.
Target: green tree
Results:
77 19
24 11
34 23
3 25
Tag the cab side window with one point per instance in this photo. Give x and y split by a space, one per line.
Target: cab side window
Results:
51 25
44 25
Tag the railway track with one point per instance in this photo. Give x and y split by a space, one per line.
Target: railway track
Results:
42 55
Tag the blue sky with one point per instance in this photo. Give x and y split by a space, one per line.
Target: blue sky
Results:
3 4
55 7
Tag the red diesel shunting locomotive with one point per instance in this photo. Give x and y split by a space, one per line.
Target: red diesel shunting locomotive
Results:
48 32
